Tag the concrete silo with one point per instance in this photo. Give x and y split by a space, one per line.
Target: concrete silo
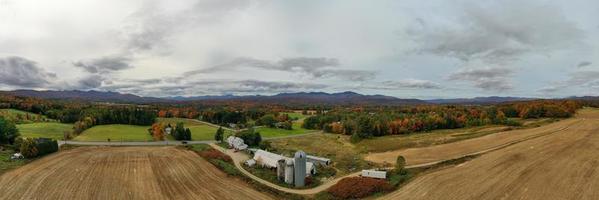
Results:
300 168
281 170
289 171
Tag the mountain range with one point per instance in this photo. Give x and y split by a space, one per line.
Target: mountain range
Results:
301 98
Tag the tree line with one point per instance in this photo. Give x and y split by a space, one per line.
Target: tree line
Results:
365 123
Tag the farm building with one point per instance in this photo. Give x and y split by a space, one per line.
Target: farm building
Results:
374 174
236 143
319 160
287 168
270 160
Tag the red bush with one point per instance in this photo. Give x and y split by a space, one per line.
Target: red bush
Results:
358 187
216 154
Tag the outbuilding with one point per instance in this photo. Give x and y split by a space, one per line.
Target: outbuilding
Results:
374 174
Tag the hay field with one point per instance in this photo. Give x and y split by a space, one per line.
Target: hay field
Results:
561 165
123 173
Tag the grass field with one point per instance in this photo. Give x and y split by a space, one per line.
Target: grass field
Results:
299 116
345 156
22 117
52 130
395 142
267 132
199 130
119 132
7 164
116 132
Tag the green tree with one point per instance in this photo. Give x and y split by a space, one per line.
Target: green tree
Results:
180 133
219 134
401 163
187 134
267 120
355 138
8 131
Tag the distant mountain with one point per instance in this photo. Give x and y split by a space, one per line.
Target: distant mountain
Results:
479 100
305 98
299 98
97 96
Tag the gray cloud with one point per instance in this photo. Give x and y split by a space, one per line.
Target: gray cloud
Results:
352 75
21 72
153 26
404 84
213 87
499 32
491 78
104 64
584 64
586 79
89 82
314 67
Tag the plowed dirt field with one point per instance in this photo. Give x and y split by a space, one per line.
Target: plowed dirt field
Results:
123 173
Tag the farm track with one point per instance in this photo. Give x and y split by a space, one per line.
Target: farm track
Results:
123 173
560 165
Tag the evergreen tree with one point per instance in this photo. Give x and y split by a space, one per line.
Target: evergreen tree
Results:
219 134
187 134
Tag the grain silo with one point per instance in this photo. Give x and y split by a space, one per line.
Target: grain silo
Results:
281 170
300 168
289 171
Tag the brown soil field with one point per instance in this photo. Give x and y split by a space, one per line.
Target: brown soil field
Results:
561 165
425 155
123 173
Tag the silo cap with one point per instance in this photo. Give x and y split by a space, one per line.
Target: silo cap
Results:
300 154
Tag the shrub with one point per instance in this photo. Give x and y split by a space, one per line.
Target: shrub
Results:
46 146
227 167
397 177
28 148
215 154
359 187
265 145
401 163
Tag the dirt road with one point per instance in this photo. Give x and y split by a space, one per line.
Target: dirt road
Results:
123 173
426 155
562 165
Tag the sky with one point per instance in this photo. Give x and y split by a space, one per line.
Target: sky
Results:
407 49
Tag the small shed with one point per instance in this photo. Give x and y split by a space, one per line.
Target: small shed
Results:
250 162
374 174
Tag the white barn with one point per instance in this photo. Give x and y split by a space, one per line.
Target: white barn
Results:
270 160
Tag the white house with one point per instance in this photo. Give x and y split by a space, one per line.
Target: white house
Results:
236 143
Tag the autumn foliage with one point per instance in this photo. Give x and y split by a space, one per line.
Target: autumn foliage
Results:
358 187
157 131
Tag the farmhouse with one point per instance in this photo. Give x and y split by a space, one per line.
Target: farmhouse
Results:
236 143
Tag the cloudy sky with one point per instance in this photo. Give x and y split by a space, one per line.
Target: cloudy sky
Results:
408 49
